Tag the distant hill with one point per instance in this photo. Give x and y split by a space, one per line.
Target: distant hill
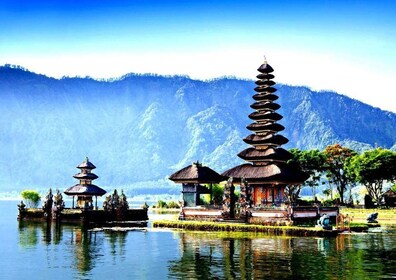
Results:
144 127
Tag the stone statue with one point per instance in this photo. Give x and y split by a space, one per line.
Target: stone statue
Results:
47 205
21 206
107 206
372 218
324 222
229 200
58 200
123 201
244 200
115 200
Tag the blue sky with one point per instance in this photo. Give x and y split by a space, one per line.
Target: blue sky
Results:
346 46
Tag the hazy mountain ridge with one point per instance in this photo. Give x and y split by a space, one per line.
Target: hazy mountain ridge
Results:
143 127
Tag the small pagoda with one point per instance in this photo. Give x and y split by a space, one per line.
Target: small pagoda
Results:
85 190
266 171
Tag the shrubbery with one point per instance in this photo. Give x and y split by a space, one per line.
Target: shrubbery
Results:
163 204
31 198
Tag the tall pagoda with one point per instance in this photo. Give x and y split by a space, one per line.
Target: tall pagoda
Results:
266 171
85 190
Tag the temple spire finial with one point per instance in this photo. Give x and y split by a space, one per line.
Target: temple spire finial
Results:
265 60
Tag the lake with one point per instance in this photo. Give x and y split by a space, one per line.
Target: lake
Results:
38 251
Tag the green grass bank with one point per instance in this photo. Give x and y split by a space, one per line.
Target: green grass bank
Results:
239 227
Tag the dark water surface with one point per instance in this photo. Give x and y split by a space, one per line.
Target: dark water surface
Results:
38 251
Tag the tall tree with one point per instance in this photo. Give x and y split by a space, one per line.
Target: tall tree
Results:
311 162
336 160
372 169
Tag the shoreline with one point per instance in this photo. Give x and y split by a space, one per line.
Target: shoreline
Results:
241 227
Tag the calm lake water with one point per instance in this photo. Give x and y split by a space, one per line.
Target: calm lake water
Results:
35 251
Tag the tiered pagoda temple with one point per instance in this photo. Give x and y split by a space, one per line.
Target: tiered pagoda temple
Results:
266 171
85 190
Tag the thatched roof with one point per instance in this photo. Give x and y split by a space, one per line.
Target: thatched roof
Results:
89 176
270 126
266 82
265 89
265 68
270 154
262 97
266 174
265 76
270 139
88 190
196 173
86 164
265 116
265 105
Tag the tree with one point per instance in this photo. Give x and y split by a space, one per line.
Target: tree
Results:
372 168
217 194
292 193
336 161
311 162
31 198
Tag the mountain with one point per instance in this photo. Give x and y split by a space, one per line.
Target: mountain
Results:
144 127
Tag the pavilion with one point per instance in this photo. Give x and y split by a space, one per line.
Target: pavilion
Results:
192 177
85 190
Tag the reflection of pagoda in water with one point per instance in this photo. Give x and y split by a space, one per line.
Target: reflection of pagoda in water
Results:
266 172
85 190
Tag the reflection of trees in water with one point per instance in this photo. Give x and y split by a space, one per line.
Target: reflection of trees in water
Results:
230 256
31 232
198 257
233 256
117 242
84 246
205 257
28 234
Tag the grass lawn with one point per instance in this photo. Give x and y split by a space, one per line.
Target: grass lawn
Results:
385 216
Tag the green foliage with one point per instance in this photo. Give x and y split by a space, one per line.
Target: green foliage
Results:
217 194
173 204
31 198
311 162
161 204
235 227
372 168
336 162
393 188
327 192
204 199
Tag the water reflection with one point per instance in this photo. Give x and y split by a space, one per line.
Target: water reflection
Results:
79 253
233 256
78 245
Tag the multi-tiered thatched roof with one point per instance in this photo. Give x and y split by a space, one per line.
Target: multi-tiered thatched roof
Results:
267 160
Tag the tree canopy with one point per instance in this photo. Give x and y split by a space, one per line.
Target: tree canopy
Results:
31 198
372 168
344 168
337 158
